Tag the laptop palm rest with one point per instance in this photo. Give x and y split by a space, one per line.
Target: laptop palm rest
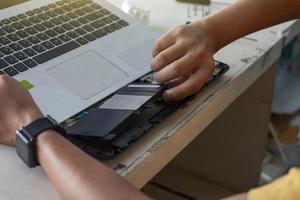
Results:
87 75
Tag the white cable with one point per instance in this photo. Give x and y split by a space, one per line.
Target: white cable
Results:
278 143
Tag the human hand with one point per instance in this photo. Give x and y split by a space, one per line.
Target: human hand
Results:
17 109
183 58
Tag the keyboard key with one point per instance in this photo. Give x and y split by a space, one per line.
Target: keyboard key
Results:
83 20
43 16
45 8
56 21
64 18
2 32
80 31
77 4
67 26
114 17
30 13
94 16
109 29
16 46
37 11
52 6
82 41
13 37
11 71
88 9
22 34
66 1
59 29
14 19
75 23
31 31
40 27
116 26
30 63
90 37
20 67
64 38
59 11
42 36
3 64
35 19
51 14
79 12
6 50
72 15
21 55
22 16
34 40
11 59
73 34
59 3
47 45
5 21
56 52
104 12
48 24
30 52
67 8
26 22
56 41
123 23
39 48
98 24
4 40
88 28
2 72
25 43
96 6
17 25
9 29
99 33
107 20
51 33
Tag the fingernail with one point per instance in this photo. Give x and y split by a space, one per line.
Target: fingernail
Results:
167 96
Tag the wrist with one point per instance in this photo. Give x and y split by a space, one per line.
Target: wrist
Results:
28 116
216 36
210 37
46 141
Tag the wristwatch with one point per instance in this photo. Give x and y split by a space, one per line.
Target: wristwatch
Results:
26 138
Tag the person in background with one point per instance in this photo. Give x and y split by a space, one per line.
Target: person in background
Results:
183 58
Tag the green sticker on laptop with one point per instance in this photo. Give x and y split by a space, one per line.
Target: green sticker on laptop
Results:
27 84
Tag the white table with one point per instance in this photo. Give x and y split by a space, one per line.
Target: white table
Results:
249 59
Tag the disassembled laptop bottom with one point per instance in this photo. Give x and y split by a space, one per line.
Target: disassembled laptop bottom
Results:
109 127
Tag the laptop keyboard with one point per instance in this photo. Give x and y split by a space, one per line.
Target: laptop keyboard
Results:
39 35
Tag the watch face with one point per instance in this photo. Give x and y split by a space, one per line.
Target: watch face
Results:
25 149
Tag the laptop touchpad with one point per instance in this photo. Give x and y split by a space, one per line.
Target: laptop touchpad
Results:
87 75
138 56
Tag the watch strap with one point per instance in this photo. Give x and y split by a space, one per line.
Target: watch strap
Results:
37 127
26 138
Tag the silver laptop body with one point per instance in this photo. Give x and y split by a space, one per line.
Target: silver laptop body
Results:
75 74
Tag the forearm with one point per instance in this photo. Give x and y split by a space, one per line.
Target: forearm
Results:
247 16
78 176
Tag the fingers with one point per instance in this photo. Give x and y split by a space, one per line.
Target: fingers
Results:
191 85
177 81
163 43
176 69
167 56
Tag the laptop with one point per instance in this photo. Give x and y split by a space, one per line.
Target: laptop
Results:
71 54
